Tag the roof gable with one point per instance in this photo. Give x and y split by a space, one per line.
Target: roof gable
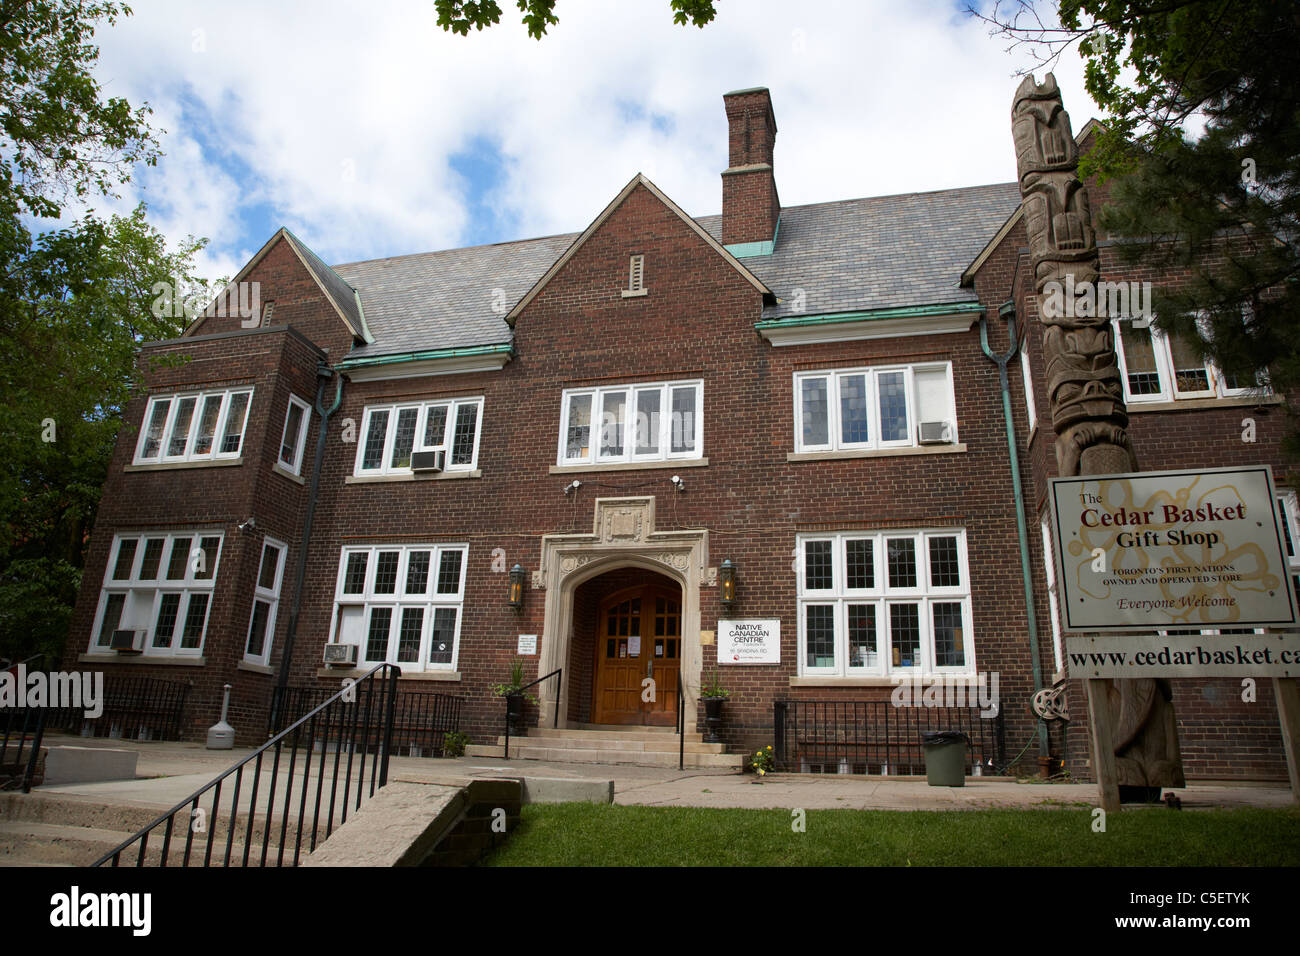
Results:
637 180
341 296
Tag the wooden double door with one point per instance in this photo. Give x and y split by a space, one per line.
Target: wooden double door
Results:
638 636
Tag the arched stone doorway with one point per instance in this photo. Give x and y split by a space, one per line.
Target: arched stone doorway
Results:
623 540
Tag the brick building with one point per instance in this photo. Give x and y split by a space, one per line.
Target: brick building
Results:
800 392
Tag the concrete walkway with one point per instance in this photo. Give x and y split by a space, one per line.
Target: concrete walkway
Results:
169 772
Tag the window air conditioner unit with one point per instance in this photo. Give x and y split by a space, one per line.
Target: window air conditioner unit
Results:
128 642
936 433
427 461
336 654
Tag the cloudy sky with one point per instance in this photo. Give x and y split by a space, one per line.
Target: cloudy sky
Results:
369 131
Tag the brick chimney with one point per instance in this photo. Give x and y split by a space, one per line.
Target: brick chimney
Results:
750 207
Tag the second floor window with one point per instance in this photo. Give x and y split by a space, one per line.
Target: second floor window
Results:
295 435
200 426
1159 368
659 421
390 433
874 408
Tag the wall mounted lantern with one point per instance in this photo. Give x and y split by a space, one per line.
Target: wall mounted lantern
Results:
727 584
517 588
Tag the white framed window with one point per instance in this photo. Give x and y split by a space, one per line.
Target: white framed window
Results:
884 603
1160 368
651 421
402 604
1288 513
160 584
266 602
872 408
1027 377
391 433
195 426
294 437
1053 601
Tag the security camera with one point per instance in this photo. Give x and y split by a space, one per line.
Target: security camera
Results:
678 483
248 525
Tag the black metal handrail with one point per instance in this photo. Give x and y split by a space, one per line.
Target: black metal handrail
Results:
519 691
422 719
30 723
358 719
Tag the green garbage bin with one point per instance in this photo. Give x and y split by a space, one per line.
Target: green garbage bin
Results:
945 758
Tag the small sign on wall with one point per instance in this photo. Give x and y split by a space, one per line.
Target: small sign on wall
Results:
527 644
749 642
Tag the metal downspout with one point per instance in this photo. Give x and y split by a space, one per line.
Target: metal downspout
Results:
323 375
1008 312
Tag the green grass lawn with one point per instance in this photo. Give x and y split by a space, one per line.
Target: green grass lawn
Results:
580 834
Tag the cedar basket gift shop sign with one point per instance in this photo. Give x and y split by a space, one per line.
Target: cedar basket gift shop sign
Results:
1192 563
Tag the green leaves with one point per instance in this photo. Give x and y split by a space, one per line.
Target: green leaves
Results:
457 16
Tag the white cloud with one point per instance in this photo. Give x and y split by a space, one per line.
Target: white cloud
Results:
341 117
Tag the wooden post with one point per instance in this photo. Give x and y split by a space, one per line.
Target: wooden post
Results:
1288 713
1103 744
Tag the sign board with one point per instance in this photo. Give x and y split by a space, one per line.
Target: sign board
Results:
1184 655
527 644
1172 550
749 642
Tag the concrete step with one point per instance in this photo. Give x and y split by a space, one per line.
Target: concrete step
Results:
523 749
24 843
580 740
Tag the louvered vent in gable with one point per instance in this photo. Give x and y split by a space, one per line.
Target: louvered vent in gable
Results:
635 277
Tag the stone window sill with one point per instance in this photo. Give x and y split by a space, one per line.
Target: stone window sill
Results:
357 674
633 293
1188 404
165 660
279 469
254 668
175 465
970 679
875 453
630 466
439 476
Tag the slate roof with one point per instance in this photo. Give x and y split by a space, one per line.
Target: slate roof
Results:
850 256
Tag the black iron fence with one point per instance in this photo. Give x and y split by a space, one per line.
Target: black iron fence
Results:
135 708
875 737
257 813
421 721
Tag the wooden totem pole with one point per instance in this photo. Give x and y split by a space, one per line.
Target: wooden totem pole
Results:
1134 735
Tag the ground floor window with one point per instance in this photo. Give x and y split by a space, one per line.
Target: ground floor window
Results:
402 605
881 603
159 588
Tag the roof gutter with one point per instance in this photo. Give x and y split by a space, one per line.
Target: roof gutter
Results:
428 356
839 318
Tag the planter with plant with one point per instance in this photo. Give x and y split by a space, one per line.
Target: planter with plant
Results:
713 694
515 696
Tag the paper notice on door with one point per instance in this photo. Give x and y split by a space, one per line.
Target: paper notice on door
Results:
634 646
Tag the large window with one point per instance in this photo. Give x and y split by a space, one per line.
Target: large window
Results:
882 603
1289 513
874 408
391 433
402 605
659 421
266 602
159 584
1159 368
294 436
201 426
